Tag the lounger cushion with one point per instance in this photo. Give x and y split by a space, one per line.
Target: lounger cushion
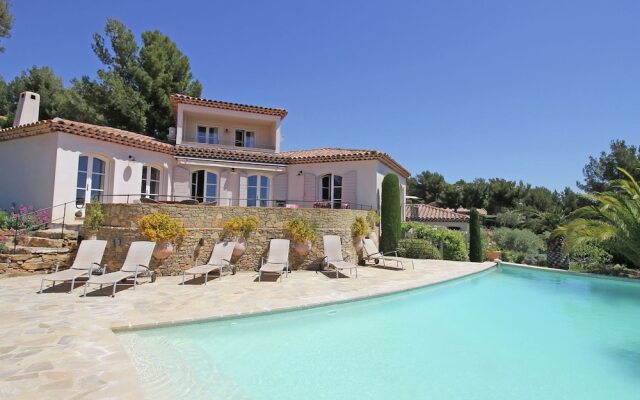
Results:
271 267
66 275
202 269
342 265
110 277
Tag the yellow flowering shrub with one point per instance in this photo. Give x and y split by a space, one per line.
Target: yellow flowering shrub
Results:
240 227
159 227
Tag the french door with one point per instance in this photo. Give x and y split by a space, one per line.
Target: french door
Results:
91 180
331 190
258 191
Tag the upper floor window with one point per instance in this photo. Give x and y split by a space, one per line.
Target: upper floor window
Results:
245 138
150 182
207 135
204 186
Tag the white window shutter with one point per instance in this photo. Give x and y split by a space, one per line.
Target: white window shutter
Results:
280 187
349 188
242 194
181 183
310 189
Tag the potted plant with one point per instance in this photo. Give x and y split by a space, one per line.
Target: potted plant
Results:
93 219
359 230
163 230
303 232
238 230
493 251
373 218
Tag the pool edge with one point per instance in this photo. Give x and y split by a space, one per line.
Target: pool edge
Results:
186 321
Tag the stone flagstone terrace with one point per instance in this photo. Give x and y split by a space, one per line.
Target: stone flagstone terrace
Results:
58 345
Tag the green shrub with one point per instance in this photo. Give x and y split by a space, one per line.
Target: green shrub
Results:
390 208
94 217
5 220
521 241
454 246
589 257
418 248
475 237
302 230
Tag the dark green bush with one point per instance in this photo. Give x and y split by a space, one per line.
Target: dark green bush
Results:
475 237
390 208
5 219
453 242
418 248
521 241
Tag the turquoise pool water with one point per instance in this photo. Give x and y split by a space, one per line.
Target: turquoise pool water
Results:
509 334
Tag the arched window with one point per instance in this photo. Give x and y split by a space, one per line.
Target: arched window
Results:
90 182
204 186
331 189
150 182
258 191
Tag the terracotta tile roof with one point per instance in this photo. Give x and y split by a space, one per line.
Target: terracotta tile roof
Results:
98 132
223 105
221 153
428 213
336 154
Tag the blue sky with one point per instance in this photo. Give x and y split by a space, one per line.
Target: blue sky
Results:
515 89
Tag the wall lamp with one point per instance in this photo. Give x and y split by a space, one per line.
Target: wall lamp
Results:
132 158
299 173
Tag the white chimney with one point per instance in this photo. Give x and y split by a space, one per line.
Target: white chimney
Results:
28 109
172 134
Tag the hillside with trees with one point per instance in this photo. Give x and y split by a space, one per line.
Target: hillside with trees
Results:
601 225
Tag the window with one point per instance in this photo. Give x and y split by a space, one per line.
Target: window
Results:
150 182
257 191
204 186
331 190
245 138
207 135
90 179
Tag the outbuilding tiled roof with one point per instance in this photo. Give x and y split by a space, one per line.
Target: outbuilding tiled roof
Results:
336 154
428 213
98 132
221 153
223 105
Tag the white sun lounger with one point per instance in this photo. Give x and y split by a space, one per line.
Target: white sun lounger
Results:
371 253
333 255
220 259
278 259
87 259
136 263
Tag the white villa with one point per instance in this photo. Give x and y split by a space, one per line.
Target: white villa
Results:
219 153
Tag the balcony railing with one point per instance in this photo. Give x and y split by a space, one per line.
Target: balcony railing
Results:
231 146
228 202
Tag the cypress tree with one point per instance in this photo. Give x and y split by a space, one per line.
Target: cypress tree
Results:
390 209
475 237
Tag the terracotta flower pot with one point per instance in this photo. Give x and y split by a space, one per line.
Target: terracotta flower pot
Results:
493 255
240 247
302 249
358 244
162 250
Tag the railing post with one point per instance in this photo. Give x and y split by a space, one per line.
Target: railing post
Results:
64 218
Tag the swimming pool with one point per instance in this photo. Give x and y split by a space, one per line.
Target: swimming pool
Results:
512 333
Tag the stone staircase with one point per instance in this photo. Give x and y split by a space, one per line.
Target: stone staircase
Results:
38 252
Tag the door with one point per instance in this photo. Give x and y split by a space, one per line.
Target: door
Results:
258 191
91 180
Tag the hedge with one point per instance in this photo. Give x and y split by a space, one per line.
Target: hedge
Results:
391 217
454 246
418 248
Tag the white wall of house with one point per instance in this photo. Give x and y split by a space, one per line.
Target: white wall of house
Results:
123 174
266 127
28 168
368 181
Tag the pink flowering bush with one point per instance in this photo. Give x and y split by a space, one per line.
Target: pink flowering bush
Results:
23 217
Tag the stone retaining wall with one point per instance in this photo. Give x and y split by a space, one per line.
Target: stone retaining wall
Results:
202 221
